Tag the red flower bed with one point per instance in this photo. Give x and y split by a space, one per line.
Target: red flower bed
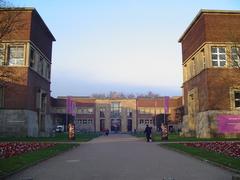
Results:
227 148
9 149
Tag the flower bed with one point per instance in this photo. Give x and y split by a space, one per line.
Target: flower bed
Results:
9 149
228 148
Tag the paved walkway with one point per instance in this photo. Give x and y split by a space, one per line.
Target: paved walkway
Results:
122 157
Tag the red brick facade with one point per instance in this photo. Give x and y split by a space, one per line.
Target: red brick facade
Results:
30 28
25 101
210 27
209 87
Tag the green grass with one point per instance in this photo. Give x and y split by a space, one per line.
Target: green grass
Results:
175 137
15 163
80 137
203 154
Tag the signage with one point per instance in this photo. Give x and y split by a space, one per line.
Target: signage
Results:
228 123
71 106
166 104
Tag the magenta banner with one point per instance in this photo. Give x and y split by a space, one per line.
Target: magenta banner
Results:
166 104
228 123
70 106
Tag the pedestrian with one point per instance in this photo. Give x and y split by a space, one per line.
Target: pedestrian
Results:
148 132
106 132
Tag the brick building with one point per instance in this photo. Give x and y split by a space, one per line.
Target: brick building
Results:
211 87
151 111
118 114
26 55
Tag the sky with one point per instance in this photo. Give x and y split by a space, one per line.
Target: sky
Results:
128 46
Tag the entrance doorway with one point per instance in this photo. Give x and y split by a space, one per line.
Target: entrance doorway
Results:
116 125
102 125
129 125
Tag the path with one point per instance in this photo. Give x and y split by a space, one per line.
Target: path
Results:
122 157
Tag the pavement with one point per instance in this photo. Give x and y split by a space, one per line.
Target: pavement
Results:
122 157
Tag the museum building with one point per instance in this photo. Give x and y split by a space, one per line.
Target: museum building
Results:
118 114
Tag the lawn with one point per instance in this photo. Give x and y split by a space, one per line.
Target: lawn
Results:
175 137
12 164
80 137
219 158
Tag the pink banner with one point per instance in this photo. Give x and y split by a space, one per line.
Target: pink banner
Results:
70 106
228 123
166 104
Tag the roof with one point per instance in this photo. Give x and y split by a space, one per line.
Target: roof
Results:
206 11
29 9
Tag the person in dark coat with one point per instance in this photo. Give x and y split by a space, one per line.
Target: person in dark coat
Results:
148 131
106 132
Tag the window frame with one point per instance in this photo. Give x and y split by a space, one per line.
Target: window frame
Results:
236 99
2 54
218 54
237 53
14 58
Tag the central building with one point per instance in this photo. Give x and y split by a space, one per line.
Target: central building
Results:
116 114
119 114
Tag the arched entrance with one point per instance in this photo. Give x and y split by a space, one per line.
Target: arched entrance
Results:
116 125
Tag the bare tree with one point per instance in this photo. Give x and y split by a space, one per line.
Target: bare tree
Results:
99 95
10 23
150 94
233 54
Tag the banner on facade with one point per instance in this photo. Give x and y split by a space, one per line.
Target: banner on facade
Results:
166 104
228 123
70 106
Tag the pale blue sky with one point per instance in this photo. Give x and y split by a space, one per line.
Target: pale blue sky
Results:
119 45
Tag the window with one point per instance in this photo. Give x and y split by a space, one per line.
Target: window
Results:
235 54
115 109
48 71
1 97
89 121
129 113
43 102
40 66
89 111
32 59
193 67
203 58
85 110
102 112
16 54
237 99
146 121
141 121
84 121
142 111
218 56
1 55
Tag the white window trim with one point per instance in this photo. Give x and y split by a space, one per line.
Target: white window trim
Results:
232 97
8 55
218 60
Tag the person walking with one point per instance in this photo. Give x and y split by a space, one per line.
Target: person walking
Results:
148 132
106 132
